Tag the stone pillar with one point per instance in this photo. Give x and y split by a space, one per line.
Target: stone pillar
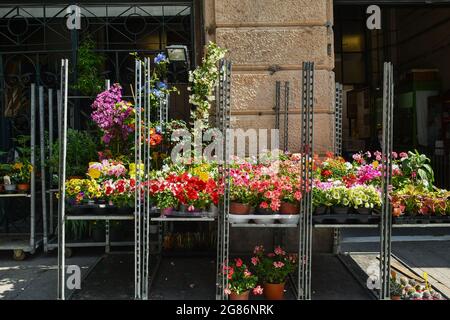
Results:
267 41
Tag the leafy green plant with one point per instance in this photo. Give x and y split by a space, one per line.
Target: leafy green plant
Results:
395 287
89 64
76 229
417 166
240 278
81 149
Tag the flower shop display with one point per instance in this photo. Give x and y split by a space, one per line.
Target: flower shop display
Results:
272 270
240 281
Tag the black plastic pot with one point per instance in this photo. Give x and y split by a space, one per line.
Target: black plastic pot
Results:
321 210
261 211
339 210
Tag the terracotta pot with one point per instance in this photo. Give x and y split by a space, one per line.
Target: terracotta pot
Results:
242 296
396 298
289 208
239 208
274 291
23 187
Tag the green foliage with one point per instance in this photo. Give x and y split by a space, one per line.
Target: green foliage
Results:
395 287
202 82
81 149
89 64
417 166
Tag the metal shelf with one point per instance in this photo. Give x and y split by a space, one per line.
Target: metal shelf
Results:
100 217
164 219
15 195
268 225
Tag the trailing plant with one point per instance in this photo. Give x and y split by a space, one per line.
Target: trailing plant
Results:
203 81
89 64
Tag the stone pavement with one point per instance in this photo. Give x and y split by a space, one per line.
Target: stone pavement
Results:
36 277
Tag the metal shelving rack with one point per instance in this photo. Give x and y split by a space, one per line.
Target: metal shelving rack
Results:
386 224
49 231
62 217
303 285
22 243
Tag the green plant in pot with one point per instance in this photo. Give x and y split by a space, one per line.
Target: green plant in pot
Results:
77 229
97 230
81 149
396 289
273 269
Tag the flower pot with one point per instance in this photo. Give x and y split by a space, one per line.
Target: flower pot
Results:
274 291
242 296
264 212
289 208
10 188
396 298
23 187
166 211
239 208
365 211
340 210
2 188
320 210
125 211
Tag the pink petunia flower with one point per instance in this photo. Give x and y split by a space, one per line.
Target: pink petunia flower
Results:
258 291
278 264
255 260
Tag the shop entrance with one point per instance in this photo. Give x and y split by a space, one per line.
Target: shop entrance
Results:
416 39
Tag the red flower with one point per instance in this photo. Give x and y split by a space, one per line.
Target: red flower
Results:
239 262
326 173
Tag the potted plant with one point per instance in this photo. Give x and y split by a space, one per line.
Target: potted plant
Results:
22 175
240 281
273 269
81 150
396 289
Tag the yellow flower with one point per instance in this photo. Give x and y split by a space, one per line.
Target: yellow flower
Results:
18 166
94 173
132 169
30 168
375 164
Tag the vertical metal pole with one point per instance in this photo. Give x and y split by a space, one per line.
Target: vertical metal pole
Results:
107 222
277 104
42 147
50 155
337 150
386 214
33 163
62 181
286 116
137 204
307 141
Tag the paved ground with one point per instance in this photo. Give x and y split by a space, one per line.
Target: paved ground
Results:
194 278
36 277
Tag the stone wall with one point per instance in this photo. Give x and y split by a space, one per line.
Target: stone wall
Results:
267 35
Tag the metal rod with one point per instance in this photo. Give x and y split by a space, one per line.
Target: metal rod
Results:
62 180
33 164
42 147
50 155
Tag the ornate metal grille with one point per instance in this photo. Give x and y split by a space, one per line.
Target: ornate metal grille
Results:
34 37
